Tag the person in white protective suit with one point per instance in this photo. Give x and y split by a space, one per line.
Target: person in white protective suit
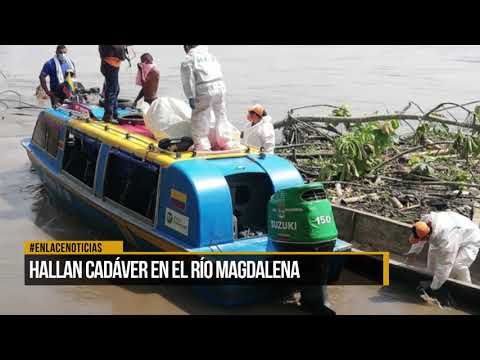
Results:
454 241
205 90
261 134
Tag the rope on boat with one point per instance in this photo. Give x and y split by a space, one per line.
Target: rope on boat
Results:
5 101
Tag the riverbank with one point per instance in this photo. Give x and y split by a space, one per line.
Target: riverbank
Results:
372 163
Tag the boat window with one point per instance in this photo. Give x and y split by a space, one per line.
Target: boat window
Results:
132 183
46 134
53 133
80 159
40 132
250 195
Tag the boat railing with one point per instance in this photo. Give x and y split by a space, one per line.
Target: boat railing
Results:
151 145
80 115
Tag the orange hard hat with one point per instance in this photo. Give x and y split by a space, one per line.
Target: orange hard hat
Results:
257 109
420 230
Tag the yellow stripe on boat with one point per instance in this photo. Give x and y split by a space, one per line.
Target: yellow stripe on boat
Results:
142 146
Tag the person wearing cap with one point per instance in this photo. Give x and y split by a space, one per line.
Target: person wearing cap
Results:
261 133
454 241
56 70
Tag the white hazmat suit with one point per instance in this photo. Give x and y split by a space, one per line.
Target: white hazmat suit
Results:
453 246
202 81
262 134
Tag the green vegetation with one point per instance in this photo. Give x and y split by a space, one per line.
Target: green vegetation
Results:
342 111
385 170
435 132
466 145
365 145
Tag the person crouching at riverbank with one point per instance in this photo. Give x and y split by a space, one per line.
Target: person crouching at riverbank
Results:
454 242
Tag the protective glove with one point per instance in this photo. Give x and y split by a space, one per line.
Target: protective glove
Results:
424 284
442 295
424 287
191 101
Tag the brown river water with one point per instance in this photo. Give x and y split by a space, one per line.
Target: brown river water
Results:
368 78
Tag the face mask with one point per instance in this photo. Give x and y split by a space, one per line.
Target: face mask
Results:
62 57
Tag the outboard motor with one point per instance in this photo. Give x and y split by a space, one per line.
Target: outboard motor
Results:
302 216
300 219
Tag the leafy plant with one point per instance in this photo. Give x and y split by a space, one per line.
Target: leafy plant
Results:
453 173
342 111
327 169
421 159
415 160
466 145
423 169
477 111
358 150
428 130
421 133
384 135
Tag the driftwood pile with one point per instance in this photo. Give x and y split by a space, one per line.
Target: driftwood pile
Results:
421 172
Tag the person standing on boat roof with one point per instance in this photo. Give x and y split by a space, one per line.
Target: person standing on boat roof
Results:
203 84
261 134
148 78
454 241
56 69
111 58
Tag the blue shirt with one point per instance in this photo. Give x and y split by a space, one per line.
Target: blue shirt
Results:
50 70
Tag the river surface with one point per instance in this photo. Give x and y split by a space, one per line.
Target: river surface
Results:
368 78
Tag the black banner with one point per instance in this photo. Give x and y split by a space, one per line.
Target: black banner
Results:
155 269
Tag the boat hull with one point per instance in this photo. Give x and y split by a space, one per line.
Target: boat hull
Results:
355 227
122 184
69 198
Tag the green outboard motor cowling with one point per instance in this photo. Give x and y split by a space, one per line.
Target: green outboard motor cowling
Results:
301 216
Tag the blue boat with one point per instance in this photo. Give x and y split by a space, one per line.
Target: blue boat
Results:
116 178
